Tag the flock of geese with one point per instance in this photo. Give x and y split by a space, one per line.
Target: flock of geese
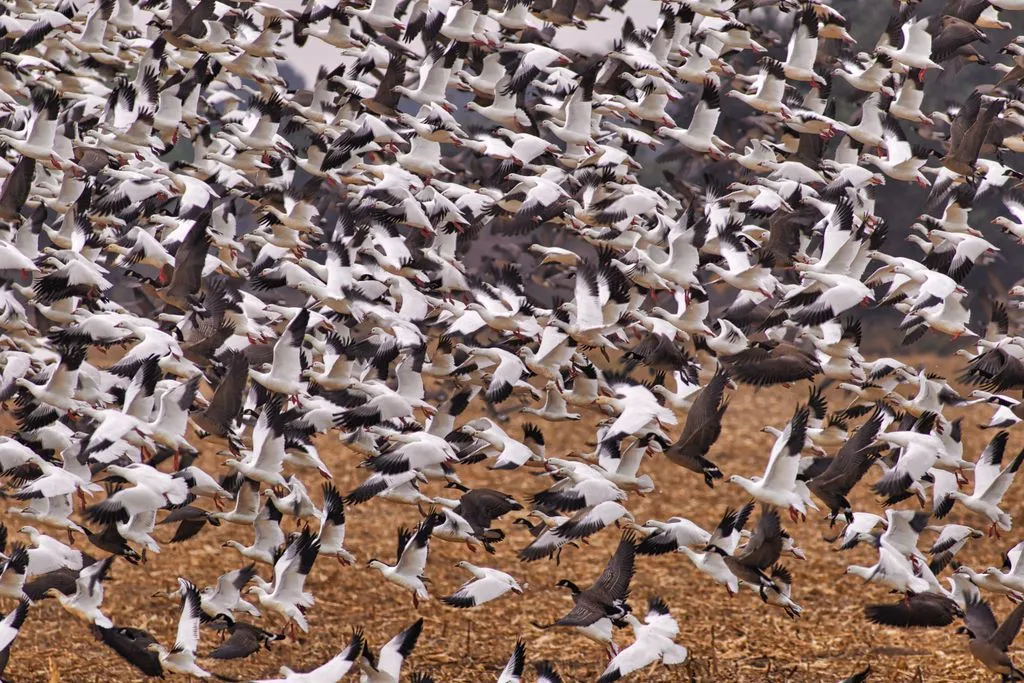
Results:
285 279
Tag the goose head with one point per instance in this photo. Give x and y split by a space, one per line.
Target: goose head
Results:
566 583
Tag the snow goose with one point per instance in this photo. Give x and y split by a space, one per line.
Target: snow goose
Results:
579 486
513 671
49 554
915 48
85 602
669 536
546 543
654 642
700 135
224 598
285 372
387 666
488 584
182 658
907 105
871 78
331 535
268 536
286 596
56 395
770 87
411 559
991 482
637 410
1011 576
1007 409
38 143
1012 226
14 572
778 485
985 581
893 569
399 488
555 408
724 539
902 161
802 50
919 452
596 608
247 503
11 625
509 453
332 670
591 520
266 459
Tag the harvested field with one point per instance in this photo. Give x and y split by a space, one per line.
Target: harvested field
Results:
738 639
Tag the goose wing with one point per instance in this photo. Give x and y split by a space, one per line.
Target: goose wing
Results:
187 638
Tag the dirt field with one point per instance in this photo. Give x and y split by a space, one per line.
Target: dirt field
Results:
738 639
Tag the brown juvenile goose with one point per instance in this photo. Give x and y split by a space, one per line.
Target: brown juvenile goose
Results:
988 640
701 430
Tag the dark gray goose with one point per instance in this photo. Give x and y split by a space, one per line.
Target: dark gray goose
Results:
598 607
245 639
766 363
988 640
919 610
847 468
701 430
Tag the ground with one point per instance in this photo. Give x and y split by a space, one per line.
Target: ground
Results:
729 639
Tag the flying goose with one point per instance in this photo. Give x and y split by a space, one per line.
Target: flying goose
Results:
920 610
670 536
331 535
411 559
182 658
132 645
513 671
596 608
285 595
387 666
476 509
778 486
987 640
655 641
489 584
268 535
701 429
848 466
723 542
85 602
333 669
244 640
991 482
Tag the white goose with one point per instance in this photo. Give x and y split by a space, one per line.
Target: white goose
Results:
991 482
700 135
411 560
488 584
182 658
778 486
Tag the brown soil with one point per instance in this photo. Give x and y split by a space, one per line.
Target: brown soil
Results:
737 639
